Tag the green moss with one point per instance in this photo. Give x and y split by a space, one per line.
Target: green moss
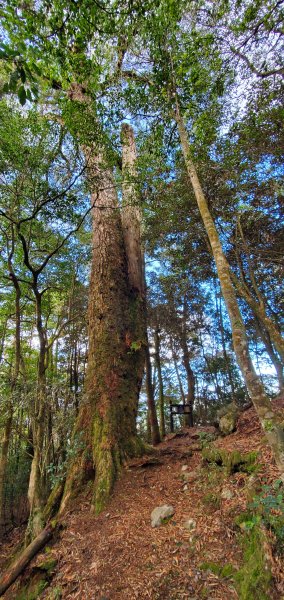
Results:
212 500
55 594
48 565
231 461
254 579
225 571
33 589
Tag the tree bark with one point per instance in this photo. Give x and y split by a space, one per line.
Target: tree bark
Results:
36 490
270 421
190 396
155 432
260 312
7 429
116 332
277 363
160 381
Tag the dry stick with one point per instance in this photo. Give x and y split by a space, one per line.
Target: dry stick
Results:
20 563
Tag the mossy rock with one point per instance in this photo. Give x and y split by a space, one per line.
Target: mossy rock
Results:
231 461
227 418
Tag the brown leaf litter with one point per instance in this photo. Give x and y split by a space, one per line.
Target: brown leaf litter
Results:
119 556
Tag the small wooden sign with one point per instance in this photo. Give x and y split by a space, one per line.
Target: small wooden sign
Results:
180 409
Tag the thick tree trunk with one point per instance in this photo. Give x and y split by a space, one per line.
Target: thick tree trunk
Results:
7 429
116 332
110 384
270 421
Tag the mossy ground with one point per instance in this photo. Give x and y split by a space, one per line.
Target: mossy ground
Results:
39 580
232 461
254 578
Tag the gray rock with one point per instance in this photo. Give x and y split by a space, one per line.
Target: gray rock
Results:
226 494
184 468
190 524
160 513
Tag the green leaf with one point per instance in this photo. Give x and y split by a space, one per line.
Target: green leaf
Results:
23 75
22 95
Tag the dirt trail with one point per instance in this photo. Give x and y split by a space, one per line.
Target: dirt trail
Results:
119 556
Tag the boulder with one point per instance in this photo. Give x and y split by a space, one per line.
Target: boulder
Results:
160 513
227 418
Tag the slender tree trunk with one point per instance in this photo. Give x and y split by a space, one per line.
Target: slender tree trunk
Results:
268 418
174 355
155 432
225 354
190 396
260 312
277 363
37 491
160 380
3 338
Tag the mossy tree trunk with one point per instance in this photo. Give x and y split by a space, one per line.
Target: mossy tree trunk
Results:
107 418
113 375
270 421
7 429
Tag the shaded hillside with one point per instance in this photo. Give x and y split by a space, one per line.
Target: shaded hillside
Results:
118 555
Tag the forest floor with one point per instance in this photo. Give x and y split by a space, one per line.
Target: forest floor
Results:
119 556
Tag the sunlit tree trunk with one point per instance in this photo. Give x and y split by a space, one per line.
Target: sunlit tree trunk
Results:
174 355
157 343
106 422
152 413
268 418
190 395
37 491
131 218
277 363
